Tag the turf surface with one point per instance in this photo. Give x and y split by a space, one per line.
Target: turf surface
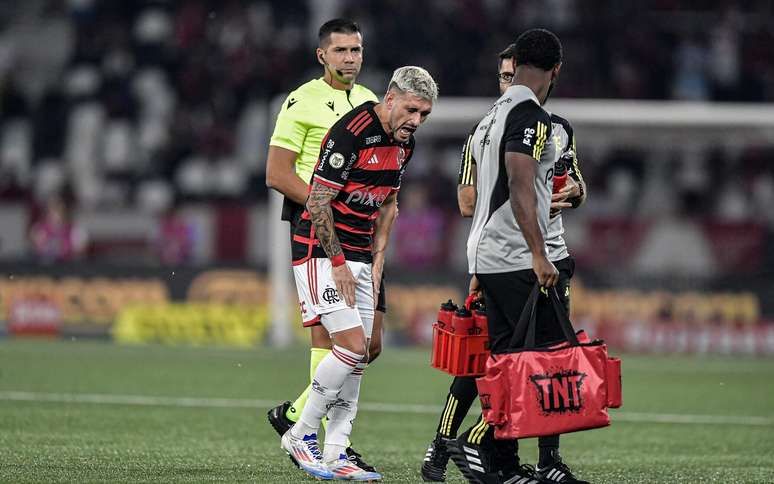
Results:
139 439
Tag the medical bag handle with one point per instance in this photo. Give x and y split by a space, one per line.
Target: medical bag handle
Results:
526 326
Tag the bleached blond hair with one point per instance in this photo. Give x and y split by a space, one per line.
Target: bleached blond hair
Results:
414 80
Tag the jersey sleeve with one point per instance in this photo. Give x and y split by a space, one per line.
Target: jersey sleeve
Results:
527 128
467 162
291 127
338 154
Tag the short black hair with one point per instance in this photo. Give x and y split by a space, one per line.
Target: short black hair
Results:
507 53
538 48
339 26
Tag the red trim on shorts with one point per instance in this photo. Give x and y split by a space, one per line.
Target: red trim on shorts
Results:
314 276
312 322
311 279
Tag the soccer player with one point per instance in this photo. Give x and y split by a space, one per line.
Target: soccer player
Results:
507 253
338 258
463 391
306 116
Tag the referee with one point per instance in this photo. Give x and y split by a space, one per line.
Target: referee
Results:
306 116
507 252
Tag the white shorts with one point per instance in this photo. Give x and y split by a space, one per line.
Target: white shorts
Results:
322 304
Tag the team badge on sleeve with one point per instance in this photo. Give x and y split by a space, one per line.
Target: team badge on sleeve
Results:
336 160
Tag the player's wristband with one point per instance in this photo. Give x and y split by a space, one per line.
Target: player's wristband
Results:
338 260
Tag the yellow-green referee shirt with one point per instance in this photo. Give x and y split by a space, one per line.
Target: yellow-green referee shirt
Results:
308 113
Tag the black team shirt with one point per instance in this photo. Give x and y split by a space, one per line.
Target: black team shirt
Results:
366 165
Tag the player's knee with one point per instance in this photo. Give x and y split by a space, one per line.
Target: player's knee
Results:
354 344
360 348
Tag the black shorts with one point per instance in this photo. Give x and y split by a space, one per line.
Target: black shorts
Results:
505 295
291 211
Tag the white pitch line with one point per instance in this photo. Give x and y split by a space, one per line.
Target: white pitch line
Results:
196 402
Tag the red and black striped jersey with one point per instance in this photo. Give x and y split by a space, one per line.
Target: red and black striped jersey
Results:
358 158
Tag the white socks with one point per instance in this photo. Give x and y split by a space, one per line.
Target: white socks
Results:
341 416
331 374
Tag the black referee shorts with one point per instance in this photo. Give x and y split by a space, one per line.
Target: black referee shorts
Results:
506 294
291 211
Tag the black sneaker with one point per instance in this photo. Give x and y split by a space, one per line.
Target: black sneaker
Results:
559 472
436 458
473 461
357 459
524 474
278 420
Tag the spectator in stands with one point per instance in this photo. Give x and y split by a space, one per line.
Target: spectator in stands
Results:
418 216
175 242
55 237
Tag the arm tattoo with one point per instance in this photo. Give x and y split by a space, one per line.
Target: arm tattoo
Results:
319 206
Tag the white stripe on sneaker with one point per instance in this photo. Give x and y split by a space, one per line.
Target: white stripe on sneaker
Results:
477 468
468 450
474 459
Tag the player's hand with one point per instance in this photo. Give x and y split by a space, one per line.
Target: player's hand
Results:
377 268
474 288
545 271
345 283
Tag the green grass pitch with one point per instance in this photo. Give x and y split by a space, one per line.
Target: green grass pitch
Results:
85 412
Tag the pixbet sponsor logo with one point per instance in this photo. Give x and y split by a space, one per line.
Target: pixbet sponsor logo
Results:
366 197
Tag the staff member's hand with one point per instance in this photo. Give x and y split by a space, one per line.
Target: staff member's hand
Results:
474 288
345 283
570 190
545 271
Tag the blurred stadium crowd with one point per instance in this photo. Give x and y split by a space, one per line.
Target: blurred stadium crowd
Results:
144 106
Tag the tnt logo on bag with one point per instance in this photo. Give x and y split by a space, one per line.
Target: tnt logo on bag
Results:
559 392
